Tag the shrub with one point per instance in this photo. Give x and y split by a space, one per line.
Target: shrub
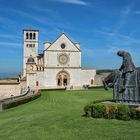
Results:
138 114
54 89
21 100
133 113
88 109
99 110
123 112
92 87
111 111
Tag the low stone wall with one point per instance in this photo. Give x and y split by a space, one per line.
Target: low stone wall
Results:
8 90
26 96
100 77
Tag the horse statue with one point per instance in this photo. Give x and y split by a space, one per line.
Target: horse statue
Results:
124 81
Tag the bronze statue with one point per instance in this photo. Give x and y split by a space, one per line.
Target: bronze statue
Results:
126 68
125 81
127 65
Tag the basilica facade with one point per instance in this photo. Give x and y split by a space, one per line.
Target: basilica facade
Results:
59 65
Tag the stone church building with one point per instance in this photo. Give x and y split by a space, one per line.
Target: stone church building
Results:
58 66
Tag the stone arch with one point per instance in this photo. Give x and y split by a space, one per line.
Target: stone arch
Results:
63 78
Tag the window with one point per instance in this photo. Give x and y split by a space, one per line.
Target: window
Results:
30 35
37 83
30 45
27 36
92 82
34 36
63 45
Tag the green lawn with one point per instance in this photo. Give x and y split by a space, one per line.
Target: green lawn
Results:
57 115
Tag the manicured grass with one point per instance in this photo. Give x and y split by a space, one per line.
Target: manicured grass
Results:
57 115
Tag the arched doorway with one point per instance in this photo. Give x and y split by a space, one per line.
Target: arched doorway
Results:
63 78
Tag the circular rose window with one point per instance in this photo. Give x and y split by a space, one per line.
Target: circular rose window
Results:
63 45
63 59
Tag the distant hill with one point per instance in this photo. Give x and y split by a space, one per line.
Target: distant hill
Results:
107 70
8 75
104 71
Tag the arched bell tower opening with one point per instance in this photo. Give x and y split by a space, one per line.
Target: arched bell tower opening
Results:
63 79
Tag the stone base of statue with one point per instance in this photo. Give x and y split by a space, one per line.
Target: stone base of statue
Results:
130 104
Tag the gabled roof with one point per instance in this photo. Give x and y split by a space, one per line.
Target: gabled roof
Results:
67 38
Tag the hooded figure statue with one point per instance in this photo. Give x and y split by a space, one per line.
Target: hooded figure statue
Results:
124 81
127 65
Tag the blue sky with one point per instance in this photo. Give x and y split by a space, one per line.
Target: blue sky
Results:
101 26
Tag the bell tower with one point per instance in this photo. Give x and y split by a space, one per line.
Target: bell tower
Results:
30 46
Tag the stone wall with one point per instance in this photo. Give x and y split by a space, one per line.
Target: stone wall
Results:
8 90
100 77
73 61
48 78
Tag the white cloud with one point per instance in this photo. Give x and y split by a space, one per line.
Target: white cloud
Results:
137 12
88 52
7 36
115 49
4 21
126 11
77 2
10 44
53 20
124 14
118 36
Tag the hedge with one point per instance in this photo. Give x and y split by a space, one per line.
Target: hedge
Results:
53 89
21 100
96 87
111 111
